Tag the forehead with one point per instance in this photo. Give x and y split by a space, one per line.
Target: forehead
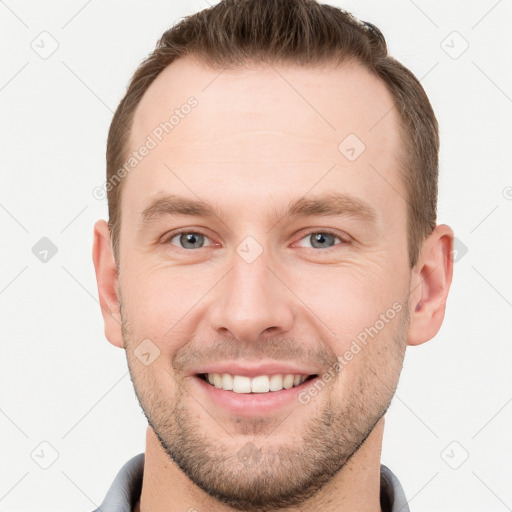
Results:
334 99
261 128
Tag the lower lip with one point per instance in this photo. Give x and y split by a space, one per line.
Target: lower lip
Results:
252 404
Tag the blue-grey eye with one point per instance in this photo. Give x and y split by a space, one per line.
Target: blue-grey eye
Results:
322 240
189 240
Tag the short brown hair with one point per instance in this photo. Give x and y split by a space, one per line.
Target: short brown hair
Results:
304 32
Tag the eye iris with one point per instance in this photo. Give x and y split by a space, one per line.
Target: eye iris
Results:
321 237
191 238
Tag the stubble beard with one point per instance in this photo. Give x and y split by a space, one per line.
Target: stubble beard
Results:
258 473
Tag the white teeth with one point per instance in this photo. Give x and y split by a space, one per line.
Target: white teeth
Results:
241 384
227 382
217 380
259 384
288 382
276 383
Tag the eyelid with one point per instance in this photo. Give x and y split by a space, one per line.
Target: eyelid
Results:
345 239
173 234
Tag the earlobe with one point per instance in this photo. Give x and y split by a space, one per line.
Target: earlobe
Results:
107 282
430 285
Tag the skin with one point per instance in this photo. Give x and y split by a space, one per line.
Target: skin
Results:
254 143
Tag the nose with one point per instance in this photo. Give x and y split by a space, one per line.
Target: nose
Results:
252 301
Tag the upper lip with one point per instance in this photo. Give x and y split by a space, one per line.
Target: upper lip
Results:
254 369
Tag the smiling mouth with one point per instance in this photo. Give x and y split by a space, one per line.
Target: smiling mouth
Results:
260 384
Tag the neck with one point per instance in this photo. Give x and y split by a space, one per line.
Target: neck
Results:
355 487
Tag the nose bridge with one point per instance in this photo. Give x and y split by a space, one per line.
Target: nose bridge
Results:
252 299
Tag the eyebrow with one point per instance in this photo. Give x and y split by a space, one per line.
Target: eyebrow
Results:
329 205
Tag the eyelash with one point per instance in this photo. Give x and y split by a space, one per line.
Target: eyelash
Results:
174 234
325 232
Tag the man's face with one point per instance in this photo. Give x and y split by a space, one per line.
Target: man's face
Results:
252 290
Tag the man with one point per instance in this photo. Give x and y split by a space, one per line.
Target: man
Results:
271 250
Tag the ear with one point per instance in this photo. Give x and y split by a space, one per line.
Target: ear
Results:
430 283
107 280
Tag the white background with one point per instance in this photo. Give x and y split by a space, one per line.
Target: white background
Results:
64 384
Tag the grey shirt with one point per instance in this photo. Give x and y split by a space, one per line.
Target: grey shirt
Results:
127 485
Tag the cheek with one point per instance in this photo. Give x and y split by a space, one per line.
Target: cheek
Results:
372 360
363 310
158 300
353 298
